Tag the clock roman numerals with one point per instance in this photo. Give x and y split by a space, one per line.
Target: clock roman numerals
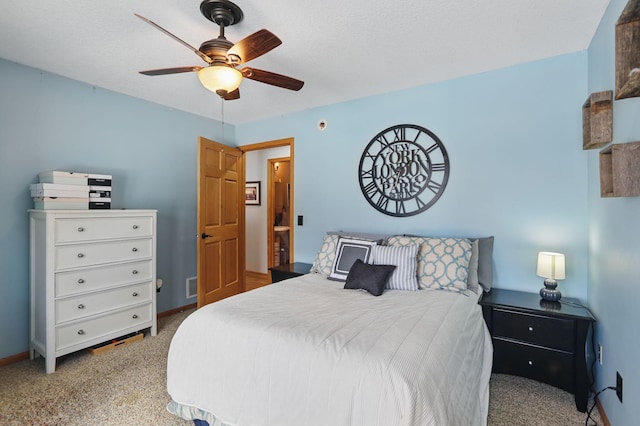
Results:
382 202
399 134
397 170
439 167
371 188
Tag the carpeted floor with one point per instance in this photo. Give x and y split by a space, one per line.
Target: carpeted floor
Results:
127 386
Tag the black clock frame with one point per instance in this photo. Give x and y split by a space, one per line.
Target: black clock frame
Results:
394 174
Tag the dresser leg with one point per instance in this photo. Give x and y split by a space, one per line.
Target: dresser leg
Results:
50 364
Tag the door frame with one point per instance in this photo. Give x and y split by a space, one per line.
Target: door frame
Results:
271 216
275 144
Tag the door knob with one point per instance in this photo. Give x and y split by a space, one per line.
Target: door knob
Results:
203 235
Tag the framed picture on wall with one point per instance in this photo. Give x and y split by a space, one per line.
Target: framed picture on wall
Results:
252 193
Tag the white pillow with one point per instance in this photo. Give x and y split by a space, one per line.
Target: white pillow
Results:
404 258
347 251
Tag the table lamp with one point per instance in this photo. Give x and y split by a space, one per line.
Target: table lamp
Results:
551 268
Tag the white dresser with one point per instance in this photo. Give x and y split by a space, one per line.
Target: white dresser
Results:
93 276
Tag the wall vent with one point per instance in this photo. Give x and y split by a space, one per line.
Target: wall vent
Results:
192 287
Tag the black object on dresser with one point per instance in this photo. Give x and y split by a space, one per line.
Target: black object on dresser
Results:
290 270
540 340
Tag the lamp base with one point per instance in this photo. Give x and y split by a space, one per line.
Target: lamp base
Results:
549 292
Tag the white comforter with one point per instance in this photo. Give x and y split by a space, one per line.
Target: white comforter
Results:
306 352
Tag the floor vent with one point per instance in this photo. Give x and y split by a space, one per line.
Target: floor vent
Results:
192 287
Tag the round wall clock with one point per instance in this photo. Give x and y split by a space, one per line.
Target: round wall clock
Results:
403 170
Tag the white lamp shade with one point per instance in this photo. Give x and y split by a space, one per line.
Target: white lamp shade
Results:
551 265
220 77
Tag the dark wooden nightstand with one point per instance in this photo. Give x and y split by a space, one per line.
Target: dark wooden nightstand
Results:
543 341
290 270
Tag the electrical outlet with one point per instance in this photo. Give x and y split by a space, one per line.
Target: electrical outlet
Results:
619 386
600 353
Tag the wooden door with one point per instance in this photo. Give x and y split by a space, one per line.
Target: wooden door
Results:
221 219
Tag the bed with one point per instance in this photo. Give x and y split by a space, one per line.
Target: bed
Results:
307 351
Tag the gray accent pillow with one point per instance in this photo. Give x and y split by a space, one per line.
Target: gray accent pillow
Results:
485 262
381 238
371 278
472 279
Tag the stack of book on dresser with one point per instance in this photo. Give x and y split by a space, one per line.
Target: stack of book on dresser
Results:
71 191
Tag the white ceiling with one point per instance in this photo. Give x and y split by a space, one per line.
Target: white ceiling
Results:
342 49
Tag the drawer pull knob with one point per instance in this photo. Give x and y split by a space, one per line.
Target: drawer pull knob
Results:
135 294
134 272
81 306
81 229
80 255
530 328
134 249
530 362
135 316
135 226
80 332
80 281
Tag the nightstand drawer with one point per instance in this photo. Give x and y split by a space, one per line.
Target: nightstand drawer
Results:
555 333
546 365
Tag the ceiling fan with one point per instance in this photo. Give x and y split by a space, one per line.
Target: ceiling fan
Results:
222 56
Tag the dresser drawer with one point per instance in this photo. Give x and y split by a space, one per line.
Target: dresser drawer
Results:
84 280
545 365
75 334
101 228
556 333
79 255
94 303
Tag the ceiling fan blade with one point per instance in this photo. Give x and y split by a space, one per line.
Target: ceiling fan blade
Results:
272 78
206 58
163 71
250 47
232 95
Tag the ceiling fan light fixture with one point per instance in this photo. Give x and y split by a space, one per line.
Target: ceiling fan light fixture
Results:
220 78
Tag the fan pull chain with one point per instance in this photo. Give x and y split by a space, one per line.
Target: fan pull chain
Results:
222 115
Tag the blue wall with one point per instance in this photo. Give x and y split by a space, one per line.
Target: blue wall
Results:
52 123
614 243
514 138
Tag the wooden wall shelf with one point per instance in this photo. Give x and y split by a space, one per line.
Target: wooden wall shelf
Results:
628 51
597 120
620 170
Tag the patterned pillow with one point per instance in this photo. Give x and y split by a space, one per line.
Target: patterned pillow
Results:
348 251
443 263
404 258
324 258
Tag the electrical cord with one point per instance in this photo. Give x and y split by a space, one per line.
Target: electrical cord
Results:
593 363
593 377
586 421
